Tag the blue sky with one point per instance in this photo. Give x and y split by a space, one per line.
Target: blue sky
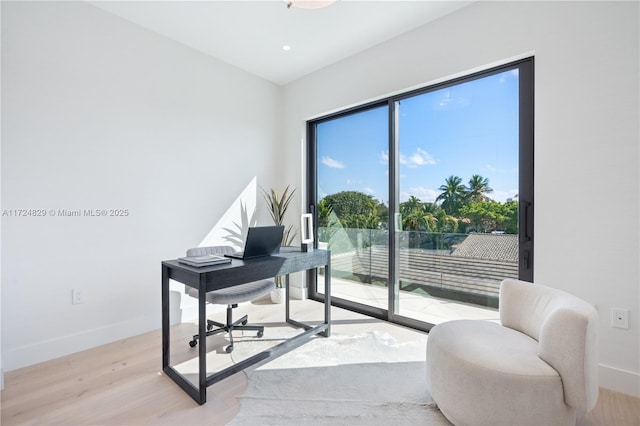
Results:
467 129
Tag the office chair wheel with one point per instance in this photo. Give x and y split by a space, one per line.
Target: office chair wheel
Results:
244 322
193 343
209 327
229 349
260 334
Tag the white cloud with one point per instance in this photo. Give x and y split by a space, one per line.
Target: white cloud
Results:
512 73
334 164
417 159
426 195
369 191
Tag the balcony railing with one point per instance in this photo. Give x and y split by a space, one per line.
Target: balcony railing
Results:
428 263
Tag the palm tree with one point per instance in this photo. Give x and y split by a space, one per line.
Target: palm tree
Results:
413 203
430 208
418 216
429 221
408 211
478 188
453 193
411 220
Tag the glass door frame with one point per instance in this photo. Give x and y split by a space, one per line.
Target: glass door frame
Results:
525 68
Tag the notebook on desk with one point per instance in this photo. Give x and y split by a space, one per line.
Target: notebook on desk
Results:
205 260
261 241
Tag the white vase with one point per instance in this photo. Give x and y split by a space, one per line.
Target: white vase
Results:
278 295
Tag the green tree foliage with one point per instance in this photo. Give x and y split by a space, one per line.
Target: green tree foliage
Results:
461 209
488 216
324 213
418 216
328 222
353 209
510 212
447 223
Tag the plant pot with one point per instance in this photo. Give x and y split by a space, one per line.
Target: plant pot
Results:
278 295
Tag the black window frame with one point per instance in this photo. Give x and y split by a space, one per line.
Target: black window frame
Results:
526 67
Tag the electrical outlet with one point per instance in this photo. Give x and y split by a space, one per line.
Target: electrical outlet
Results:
620 318
77 296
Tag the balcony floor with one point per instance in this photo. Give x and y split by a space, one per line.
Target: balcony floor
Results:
425 308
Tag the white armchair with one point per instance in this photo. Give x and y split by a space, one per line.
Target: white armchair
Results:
538 367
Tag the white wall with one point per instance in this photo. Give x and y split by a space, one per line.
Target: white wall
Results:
586 137
98 113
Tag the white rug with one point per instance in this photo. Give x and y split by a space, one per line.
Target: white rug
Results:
367 379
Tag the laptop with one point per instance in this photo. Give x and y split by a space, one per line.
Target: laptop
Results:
261 241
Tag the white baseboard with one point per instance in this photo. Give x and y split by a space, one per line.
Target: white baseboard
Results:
619 380
46 350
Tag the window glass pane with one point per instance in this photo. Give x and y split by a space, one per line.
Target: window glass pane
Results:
352 187
458 190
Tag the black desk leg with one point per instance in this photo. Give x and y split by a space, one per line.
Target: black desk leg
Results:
165 317
287 312
202 340
327 298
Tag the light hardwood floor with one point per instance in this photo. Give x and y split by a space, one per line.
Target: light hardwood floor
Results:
121 383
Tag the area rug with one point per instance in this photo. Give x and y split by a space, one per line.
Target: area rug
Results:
365 379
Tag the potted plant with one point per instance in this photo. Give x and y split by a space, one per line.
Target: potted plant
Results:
278 205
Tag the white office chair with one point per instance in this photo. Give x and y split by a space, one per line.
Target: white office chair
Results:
229 296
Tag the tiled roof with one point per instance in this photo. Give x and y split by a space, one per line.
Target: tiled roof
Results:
427 268
489 246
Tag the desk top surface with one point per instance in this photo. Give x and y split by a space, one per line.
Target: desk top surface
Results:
289 260
286 253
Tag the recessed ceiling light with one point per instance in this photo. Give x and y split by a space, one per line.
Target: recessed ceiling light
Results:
286 48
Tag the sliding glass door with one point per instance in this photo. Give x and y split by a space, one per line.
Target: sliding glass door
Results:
426 198
352 208
458 189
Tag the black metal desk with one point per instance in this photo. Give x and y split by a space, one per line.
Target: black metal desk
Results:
227 275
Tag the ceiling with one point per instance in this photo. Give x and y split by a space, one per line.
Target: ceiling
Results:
251 34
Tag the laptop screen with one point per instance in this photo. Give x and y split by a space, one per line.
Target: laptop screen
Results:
263 241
